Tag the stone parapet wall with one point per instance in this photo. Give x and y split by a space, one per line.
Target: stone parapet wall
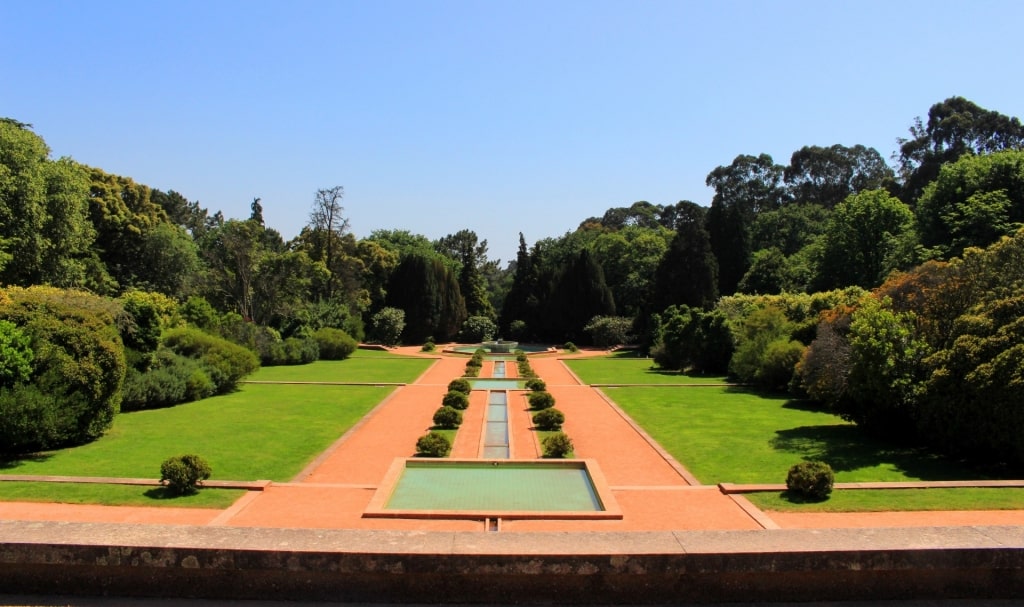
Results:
461 567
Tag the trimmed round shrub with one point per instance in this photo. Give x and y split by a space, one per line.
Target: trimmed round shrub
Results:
334 344
472 371
460 385
549 419
447 417
455 400
557 445
429 347
810 481
570 347
184 474
433 444
536 384
541 400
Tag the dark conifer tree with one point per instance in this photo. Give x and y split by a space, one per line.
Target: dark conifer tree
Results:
579 294
688 273
429 294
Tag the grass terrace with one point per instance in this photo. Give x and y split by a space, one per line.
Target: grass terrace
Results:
730 434
260 432
377 367
632 370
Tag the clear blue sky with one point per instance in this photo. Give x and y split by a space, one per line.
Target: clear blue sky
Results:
495 116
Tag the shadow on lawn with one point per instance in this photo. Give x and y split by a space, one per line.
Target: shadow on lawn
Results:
846 448
16 461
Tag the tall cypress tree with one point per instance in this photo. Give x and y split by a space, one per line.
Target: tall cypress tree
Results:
429 294
688 273
579 294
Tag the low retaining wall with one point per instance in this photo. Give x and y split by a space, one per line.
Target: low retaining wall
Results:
430 567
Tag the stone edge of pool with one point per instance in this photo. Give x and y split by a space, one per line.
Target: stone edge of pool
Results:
610 510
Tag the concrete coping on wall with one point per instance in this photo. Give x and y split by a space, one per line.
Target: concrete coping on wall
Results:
635 567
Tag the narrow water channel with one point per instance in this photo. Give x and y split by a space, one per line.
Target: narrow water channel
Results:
496 426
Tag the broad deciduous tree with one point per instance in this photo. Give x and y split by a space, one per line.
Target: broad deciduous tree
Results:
972 202
868 235
743 190
955 127
826 176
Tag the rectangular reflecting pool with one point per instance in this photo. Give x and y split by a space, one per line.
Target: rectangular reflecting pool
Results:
448 488
491 383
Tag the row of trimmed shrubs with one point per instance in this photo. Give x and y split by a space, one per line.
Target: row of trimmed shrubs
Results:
549 419
456 400
810 481
448 417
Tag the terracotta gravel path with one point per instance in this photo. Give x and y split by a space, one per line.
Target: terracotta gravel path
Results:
653 491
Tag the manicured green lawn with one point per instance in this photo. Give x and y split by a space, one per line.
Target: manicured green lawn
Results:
358 369
374 353
731 435
619 370
882 500
262 431
120 495
266 431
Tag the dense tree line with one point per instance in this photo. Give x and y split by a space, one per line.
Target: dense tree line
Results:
769 282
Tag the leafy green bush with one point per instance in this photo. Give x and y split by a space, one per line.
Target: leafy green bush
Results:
141 332
778 363
291 351
447 417
433 444
517 329
570 347
334 344
557 445
198 312
225 362
15 354
472 371
478 328
257 338
460 385
77 368
387 325
540 400
810 481
429 346
455 400
607 331
549 419
184 474
172 379
536 384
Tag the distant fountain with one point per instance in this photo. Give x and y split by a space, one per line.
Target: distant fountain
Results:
500 346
